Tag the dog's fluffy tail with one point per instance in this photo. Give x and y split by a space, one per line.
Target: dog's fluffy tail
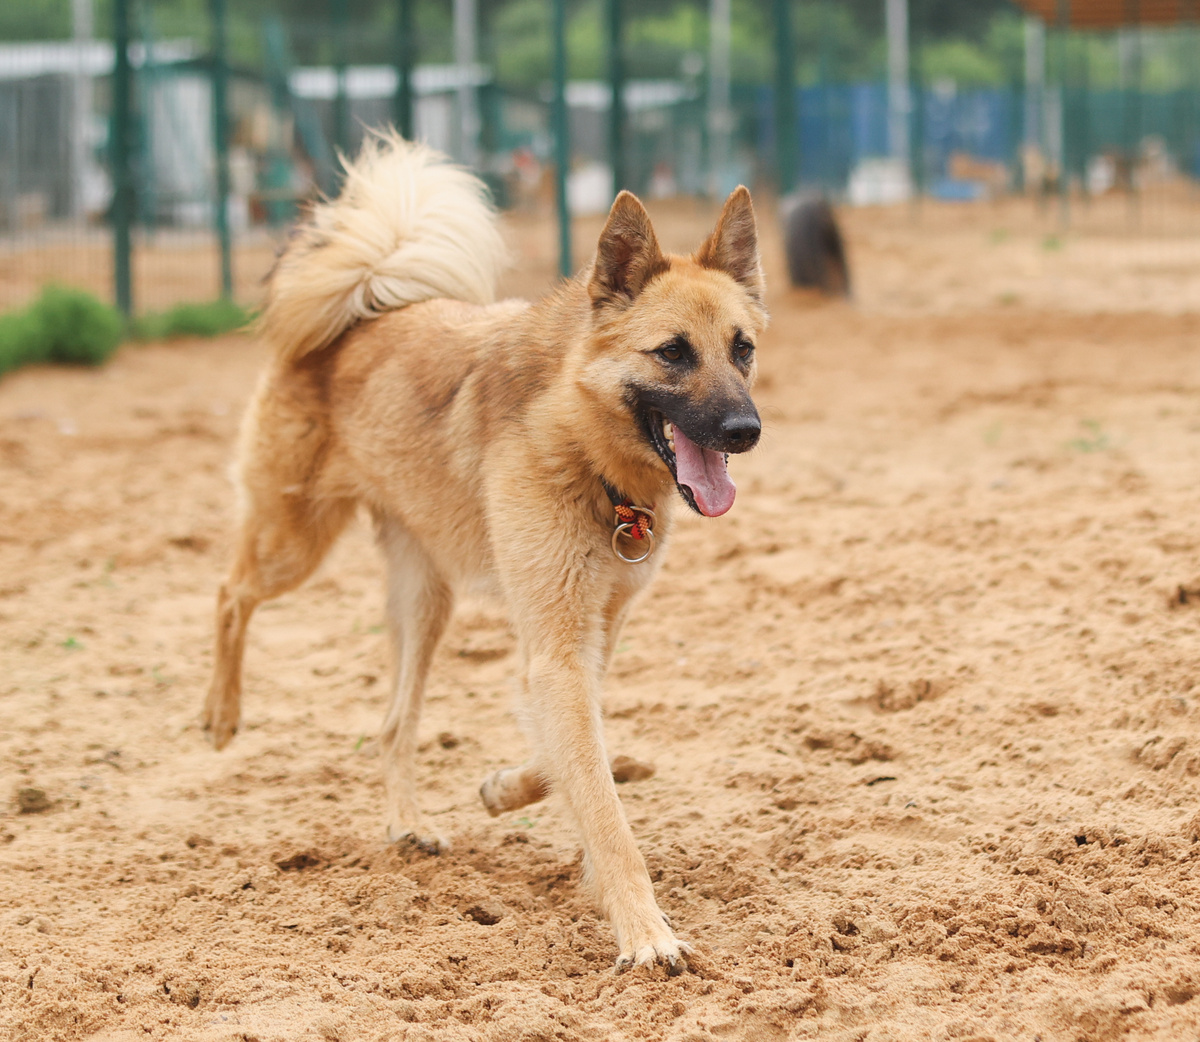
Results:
406 227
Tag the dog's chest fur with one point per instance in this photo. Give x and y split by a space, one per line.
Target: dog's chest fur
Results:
469 423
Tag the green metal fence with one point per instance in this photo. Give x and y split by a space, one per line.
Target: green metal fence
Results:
159 154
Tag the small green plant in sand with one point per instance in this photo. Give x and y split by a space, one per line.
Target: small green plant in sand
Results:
1095 440
61 325
212 318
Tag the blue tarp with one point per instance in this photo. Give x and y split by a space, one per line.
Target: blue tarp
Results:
839 125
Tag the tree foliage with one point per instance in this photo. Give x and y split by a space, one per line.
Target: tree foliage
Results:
973 42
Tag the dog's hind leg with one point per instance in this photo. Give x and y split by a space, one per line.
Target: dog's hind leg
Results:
280 544
418 605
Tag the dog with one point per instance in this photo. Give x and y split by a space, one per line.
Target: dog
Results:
816 252
534 450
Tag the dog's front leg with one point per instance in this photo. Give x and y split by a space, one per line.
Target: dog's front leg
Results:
561 597
512 788
563 714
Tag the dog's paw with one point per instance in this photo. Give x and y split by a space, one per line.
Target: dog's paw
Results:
651 943
220 728
512 788
492 795
672 956
413 842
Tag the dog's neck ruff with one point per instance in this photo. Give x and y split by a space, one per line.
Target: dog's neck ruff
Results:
632 522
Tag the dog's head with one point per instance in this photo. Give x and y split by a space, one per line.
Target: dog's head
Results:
674 346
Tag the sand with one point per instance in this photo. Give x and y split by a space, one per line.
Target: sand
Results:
923 707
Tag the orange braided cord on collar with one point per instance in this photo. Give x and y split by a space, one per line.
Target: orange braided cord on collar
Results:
627 514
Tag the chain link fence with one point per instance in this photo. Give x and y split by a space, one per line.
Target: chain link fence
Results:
167 167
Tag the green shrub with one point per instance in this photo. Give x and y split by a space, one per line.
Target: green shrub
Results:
20 340
69 325
77 328
209 319
62 325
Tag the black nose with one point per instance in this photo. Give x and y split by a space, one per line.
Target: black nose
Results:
740 433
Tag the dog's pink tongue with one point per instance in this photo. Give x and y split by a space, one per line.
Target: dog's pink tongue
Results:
704 472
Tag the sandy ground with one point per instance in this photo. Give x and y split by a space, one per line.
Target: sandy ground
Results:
924 706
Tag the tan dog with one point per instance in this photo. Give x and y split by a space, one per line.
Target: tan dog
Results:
397 384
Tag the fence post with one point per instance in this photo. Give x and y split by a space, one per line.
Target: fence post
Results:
616 80
1065 130
720 111
916 52
899 103
825 87
785 97
1017 131
562 145
82 32
1188 160
1084 116
405 57
220 104
1034 122
466 18
1132 130
339 11
122 201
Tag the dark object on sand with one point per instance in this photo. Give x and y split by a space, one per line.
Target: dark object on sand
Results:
33 801
816 255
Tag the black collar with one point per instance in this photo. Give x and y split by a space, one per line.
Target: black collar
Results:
614 496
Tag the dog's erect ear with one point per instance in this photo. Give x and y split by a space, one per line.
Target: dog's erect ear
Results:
733 245
627 256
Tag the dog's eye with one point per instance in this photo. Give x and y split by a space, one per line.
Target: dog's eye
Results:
742 349
673 352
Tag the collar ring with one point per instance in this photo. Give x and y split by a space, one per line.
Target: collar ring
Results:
624 529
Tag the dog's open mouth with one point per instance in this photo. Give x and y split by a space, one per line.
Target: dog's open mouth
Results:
700 474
